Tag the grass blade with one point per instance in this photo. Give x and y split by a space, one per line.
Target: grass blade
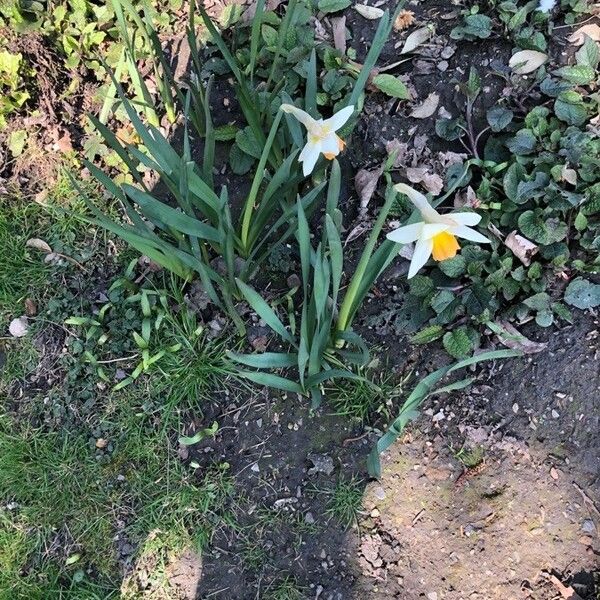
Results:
255 35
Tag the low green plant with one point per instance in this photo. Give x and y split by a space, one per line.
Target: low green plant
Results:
286 588
537 180
344 501
142 313
322 347
13 84
364 399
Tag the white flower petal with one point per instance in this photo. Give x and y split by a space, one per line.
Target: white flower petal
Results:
429 213
309 157
421 254
330 145
339 119
432 229
465 218
406 234
466 233
301 115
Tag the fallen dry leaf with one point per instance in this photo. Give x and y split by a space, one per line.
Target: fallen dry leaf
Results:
527 61
30 307
512 338
356 232
521 247
399 149
365 183
466 198
404 20
592 30
38 244
64 143
427 107
338 25
417 38
432 182
126 135
18 327
368 12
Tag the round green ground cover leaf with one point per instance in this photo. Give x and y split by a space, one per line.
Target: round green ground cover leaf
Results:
499 117
569 108
453 267
458 343
583 294
330 6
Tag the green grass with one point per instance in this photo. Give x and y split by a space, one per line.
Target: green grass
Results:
23 272
471 458
66 502
198 368
285 589
345 501
364 400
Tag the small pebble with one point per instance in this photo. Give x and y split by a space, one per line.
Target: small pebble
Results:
587 526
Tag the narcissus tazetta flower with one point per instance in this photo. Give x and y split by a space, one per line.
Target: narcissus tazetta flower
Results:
321 135
436 234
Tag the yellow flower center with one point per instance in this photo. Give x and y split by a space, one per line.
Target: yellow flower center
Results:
444 246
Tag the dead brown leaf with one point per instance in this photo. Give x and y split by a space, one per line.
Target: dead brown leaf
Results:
432 182
338 25
399 149
368 12
468 198
527 61
512 338
521 247
356 232
427 107
63 143
404 20
39 244
592 30
30 307
417 38
365 183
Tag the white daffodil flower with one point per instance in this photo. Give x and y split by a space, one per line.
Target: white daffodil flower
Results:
321 136
436 234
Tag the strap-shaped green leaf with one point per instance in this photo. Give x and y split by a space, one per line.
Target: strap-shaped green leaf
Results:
154 209
265 312
421 392
274 381
266 360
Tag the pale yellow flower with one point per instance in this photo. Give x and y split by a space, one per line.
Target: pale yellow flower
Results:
321 135
436 234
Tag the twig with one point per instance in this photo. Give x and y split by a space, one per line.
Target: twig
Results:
418 516
354 439
587 499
